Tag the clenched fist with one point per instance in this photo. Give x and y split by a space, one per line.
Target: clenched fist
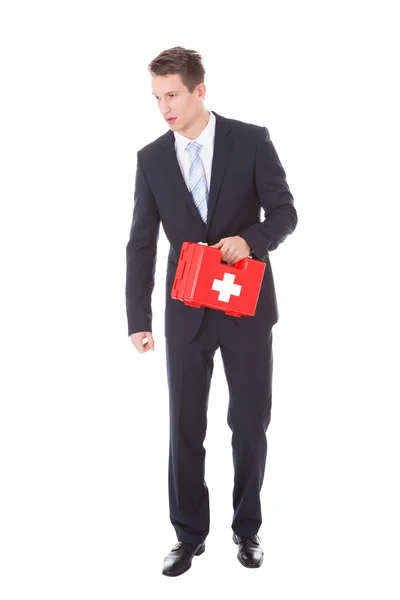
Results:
138 338
233 249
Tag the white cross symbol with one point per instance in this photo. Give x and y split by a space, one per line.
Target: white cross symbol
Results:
226 287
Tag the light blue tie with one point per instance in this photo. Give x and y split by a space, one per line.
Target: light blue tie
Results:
197 180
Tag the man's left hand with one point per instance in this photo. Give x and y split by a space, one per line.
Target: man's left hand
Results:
233 249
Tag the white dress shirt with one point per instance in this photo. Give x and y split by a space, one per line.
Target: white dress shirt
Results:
206 138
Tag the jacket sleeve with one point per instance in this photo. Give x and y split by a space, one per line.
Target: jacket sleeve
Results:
275 198
141 255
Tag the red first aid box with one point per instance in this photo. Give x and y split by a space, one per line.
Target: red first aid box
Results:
201 279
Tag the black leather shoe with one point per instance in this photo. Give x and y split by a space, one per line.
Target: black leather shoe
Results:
250 554
180 558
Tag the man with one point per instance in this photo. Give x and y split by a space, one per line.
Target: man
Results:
206 180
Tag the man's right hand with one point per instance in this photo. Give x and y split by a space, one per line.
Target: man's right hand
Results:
137 340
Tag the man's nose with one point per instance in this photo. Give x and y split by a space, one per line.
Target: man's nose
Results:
164 107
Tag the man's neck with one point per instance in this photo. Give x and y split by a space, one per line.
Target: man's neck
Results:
196 128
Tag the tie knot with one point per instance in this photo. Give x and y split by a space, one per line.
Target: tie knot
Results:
193 147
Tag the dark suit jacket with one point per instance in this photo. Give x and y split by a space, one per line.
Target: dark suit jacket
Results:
246 176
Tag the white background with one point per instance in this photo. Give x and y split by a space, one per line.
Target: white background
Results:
84 417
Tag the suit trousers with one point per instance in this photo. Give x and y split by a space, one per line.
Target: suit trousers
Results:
248 364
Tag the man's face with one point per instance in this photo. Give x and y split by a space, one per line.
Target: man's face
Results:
174 100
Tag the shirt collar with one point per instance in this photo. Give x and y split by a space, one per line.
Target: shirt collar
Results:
206 137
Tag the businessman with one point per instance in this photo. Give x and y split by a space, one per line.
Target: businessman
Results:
206 180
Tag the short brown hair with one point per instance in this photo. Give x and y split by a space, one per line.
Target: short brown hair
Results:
178 60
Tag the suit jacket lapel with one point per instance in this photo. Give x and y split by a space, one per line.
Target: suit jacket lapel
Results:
222 148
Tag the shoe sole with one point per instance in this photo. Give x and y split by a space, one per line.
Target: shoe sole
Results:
199 551
245 564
